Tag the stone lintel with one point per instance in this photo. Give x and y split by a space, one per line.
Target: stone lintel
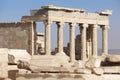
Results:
13 24
51 7
38 12
33 18
6 24
106 12
59 14
80 20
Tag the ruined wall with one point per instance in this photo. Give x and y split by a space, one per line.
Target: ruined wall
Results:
16 35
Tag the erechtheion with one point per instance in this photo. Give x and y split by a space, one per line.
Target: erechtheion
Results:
60 66
88 22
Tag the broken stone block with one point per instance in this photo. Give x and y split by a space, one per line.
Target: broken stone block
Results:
16 55
93 62
3 55
11 59
62 58
98 71
23 65
80 64
24 71
113 58
38 63
3 63
3 69
44 60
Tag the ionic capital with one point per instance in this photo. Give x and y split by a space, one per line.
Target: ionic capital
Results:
47 22
95 26
105 27
60 24
72 24
84 25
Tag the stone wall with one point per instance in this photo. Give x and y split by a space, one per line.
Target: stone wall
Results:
77 47
16 36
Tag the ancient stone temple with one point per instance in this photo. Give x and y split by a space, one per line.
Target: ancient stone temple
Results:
88 23
41 64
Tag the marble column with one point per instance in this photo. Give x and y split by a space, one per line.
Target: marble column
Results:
47 37
83 41
72 41
94 40
60 36
33 27
104 40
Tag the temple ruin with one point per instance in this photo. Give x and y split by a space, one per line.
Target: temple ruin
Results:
63 65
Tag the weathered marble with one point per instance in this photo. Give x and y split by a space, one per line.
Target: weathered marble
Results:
3 63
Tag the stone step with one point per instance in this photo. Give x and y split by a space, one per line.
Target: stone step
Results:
111 70
64 76
83 71
42 57
49 69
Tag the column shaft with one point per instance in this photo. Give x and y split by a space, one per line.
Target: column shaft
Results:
83 41
104 40
94 40
72 42
47 38
33 38
60 36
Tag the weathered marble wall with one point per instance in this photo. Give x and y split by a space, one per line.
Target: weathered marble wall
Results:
16 36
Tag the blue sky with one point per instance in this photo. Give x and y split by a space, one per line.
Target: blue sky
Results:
13 10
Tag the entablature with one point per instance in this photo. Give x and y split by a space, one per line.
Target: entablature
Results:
58 14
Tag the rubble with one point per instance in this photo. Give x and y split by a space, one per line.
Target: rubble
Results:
93 62
98 71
